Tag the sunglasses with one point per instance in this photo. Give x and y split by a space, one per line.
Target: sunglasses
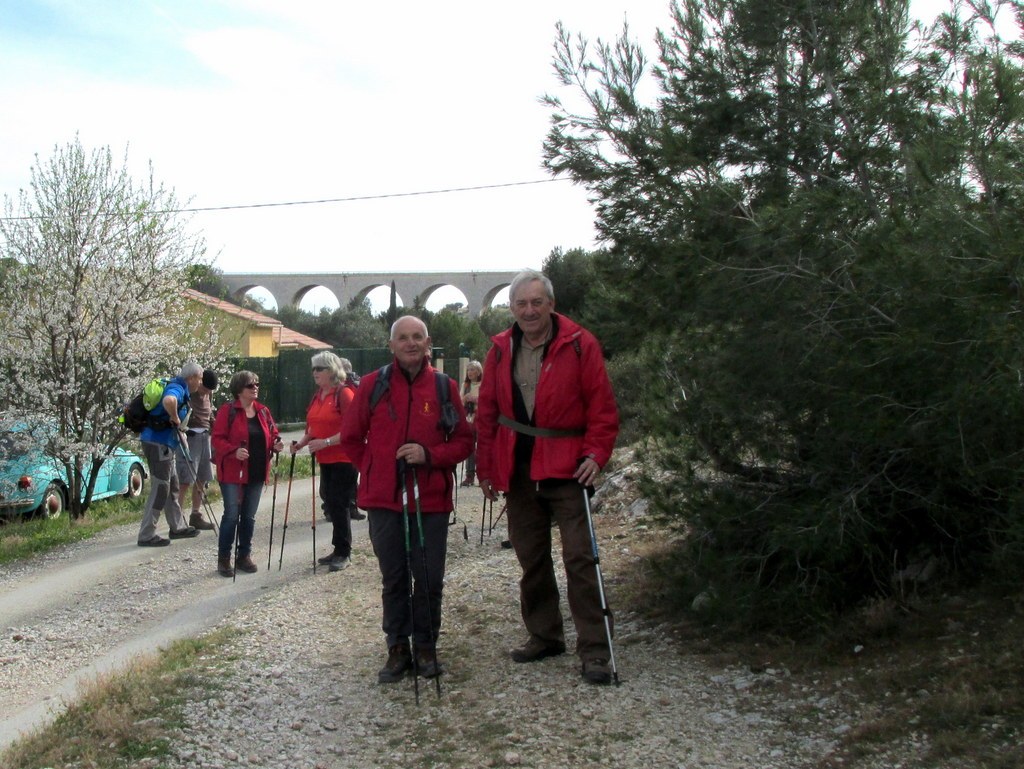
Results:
252 385
319 368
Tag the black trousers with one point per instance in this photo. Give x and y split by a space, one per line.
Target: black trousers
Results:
387 534
337 490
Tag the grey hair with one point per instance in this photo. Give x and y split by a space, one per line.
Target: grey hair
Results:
331 362
190 369
528 276
346 364
407 317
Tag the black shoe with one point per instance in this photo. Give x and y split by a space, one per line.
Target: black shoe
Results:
154 541
535 649
339 563
329 557
427 663
596 671
506 544
188 531
399 661
356 515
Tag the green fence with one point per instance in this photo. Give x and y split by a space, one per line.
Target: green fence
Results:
286 383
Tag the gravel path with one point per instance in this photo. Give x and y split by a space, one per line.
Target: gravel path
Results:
299 689
302 692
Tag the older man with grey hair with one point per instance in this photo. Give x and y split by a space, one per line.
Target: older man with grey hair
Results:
159 445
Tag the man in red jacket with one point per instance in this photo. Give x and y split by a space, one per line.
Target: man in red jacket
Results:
399 441
546 424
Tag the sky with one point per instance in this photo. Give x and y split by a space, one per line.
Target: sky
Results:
252 102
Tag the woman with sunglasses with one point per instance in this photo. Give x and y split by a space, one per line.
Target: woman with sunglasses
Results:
244 438
338 475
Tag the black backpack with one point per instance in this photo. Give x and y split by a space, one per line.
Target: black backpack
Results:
136 414
449 414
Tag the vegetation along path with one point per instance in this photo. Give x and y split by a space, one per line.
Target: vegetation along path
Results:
294 682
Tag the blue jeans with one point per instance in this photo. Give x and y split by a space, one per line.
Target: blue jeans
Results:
238 499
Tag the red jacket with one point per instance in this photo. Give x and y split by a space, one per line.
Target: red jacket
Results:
573 393
407 413
323 420
228 434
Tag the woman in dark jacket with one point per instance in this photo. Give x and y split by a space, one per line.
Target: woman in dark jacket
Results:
244 437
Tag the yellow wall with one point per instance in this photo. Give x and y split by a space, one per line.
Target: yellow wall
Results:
260 343
239 337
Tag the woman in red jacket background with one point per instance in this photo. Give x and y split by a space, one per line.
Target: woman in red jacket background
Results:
244 437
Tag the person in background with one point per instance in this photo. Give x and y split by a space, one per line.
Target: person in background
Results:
400 445
244 438
470 395
352 383
197 475
337 474
546 424
159 446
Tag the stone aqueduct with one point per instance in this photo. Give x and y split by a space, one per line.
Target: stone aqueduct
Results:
288 288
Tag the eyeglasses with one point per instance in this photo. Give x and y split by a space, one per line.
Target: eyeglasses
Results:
319 368
252 385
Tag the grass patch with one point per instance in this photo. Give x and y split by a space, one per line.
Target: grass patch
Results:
124 717
24 537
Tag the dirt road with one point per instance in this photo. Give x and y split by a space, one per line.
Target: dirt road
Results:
87 608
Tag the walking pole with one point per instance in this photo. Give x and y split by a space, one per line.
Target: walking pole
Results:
408 571
600 587
238 519
426 577
312 465
287 504
273 505
483 514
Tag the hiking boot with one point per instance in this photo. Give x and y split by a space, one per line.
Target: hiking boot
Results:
596 671
469 482
339 563
224 566
535 649
329 557
399 661
246 564
356 514
154 541
188 531
427 663
197 521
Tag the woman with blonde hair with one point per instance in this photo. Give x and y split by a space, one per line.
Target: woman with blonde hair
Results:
338 475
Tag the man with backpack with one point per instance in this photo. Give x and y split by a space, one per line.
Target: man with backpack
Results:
160 446
406 432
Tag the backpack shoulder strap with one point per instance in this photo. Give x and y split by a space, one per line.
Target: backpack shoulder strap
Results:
449 415
444 393
380 385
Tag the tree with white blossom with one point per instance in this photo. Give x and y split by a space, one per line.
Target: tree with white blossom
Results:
94 268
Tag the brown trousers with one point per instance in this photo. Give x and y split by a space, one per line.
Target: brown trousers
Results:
532 508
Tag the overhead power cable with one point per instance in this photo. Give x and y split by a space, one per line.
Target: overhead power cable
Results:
350 199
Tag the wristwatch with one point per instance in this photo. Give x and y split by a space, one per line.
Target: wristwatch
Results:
328 441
